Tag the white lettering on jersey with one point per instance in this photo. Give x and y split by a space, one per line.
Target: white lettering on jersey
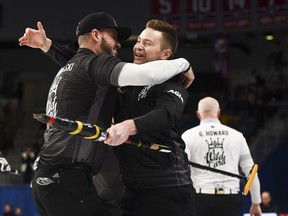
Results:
51 107
177 94
214 133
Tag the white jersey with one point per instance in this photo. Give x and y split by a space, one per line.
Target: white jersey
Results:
219 146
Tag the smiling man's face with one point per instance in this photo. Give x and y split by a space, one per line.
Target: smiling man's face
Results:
148 46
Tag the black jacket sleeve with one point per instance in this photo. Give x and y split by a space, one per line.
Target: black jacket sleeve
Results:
170 100
60 54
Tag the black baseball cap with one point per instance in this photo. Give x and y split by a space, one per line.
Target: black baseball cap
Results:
101 20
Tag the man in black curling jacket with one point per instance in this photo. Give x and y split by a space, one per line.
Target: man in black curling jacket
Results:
156 183
82 90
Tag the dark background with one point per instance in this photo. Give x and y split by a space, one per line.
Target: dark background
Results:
224 41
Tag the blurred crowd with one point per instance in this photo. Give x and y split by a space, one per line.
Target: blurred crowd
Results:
10 123
9 210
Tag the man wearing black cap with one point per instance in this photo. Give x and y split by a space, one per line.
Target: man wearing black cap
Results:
101 20
81 91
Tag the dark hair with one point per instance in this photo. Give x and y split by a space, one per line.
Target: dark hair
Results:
169 33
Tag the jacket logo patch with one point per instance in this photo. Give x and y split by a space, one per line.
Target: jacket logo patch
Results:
144 91
43 181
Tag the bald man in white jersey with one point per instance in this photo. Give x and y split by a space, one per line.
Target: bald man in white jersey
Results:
219 146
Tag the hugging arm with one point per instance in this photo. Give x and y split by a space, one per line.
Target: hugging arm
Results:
130 74
155 72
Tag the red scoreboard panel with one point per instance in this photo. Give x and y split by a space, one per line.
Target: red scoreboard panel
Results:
168 10
201 15
212 15
236 14
272 12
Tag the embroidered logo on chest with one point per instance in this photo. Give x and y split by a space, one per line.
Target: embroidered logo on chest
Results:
144 92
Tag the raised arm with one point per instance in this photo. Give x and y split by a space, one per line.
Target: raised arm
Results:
36 38
131 74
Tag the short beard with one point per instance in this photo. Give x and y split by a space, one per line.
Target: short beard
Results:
105 47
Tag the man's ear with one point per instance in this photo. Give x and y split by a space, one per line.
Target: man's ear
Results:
218 113
166 54
95 34
198 115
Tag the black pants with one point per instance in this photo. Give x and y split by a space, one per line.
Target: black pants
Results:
65 192
224 205
172 201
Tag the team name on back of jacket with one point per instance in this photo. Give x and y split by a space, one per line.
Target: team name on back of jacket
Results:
51 106
67 67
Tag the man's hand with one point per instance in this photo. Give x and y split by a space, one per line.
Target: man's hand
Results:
36 38
187 78
255 210
120 132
